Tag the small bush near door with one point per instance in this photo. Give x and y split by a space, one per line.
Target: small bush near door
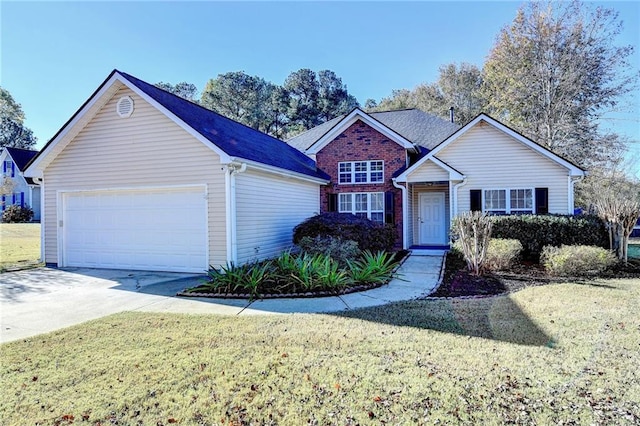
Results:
17 214
576 260
369 235
502 254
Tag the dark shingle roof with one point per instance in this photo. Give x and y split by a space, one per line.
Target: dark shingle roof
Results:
235 139
21 157
419 127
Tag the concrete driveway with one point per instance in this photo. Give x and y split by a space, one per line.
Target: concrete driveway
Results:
42 300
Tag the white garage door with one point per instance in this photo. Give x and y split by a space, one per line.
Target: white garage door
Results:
155 230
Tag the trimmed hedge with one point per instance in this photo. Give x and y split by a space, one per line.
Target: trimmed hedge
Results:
579 261
369 235
536 231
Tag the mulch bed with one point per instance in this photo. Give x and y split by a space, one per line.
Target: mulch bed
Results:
458 282
269 292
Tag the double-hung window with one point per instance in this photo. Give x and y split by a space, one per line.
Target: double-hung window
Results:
361 171
508 201
7 168
363 204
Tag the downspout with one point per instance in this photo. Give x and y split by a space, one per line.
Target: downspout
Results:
230 199
454 212
571 197
405 213
40 181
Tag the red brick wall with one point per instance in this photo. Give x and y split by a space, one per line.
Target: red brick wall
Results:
358 143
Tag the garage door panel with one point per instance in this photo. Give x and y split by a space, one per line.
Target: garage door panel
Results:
162 229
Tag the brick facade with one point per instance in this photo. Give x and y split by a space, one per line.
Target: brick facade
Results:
360 142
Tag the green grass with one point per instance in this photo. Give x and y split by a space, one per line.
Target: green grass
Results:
19 245
557 354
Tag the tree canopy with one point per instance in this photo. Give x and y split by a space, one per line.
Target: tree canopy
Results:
458 86
554 73
13 132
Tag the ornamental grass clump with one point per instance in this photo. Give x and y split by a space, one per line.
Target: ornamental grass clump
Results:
372 268
576 261
298 273
473 230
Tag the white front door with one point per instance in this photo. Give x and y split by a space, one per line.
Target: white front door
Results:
432 218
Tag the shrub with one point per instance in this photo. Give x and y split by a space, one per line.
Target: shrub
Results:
473 230
342 251
372 268
367 234
536 231
501 253
17 214
576 260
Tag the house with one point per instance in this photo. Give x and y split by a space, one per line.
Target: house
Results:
141 179
24 190
417 171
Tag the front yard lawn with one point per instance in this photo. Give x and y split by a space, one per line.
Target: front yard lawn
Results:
19 245
555 354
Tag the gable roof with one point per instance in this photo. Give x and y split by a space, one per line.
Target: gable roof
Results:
21 157
355 115
417 126
573 169
235 140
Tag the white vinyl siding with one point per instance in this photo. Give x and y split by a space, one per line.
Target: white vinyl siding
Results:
136 152
428 172
268 207
491 159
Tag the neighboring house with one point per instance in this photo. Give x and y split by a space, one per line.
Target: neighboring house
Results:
141 179
417 171
25 192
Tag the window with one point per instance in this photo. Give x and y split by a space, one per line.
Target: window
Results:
7 168
363 204
361 172
519 201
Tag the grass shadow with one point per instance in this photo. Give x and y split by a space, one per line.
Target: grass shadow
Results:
497 318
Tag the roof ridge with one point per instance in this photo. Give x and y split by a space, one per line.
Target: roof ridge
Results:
341 116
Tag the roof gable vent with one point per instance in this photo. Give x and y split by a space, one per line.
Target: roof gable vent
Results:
124 107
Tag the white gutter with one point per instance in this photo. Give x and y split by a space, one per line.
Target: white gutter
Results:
276 170
230 203
405 213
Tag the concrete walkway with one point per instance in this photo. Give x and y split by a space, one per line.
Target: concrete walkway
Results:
42 300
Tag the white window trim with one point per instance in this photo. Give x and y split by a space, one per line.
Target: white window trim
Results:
353 204
507 194
368 172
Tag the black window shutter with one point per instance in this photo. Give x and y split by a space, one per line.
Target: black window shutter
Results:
475 196
389 207
332 202
542 201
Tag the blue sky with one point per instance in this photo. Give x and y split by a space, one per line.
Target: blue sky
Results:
55 54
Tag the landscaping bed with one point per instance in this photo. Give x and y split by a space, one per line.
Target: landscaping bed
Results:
459 282
289 282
